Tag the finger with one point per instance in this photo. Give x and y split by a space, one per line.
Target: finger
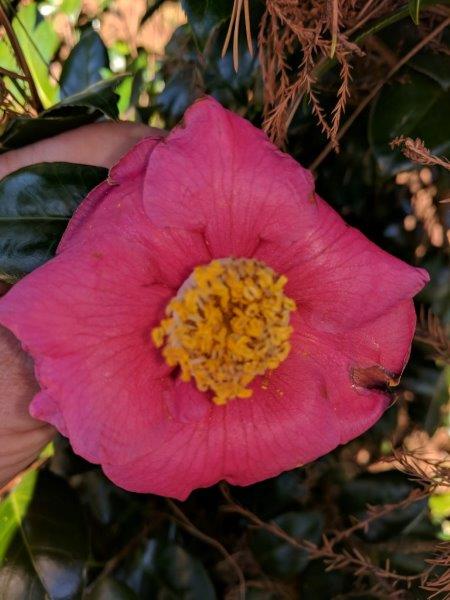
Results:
99 144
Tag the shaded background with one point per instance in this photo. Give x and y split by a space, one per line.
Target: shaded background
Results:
371 519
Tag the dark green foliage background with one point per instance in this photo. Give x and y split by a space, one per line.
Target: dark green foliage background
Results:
66 532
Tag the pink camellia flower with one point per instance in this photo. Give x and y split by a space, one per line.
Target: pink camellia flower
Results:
209 317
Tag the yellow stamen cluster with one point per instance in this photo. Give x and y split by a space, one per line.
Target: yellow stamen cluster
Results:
228 323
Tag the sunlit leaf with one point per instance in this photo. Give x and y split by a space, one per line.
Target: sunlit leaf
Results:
39 42
13 510
93 103
47 554
82 67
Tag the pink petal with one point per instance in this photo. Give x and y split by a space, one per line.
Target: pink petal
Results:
358 365
112 217
243 442
86 318
132 165
299 412
90 338
338 278
219 175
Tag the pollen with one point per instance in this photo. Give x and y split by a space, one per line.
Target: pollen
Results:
228 324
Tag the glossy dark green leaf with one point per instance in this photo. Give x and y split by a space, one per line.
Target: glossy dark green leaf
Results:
110 589
183 574
47 554
83 65
411 107
377 489
35 205
204 15
392 18
97 101
318 583
414 10
436 66
280 558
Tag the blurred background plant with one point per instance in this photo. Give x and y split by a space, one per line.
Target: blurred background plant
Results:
359 91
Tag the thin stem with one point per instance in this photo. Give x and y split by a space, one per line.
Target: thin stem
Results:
20 57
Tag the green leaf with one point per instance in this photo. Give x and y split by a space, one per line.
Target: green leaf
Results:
39 43
36 203
96 101
46 557
439 505
377 489
13 509
412 107
436 66
204 15
392 18
414 10
83 65
99 96
72 8
183 574
110 589
279 558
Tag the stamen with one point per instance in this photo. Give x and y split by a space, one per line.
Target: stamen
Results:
228 323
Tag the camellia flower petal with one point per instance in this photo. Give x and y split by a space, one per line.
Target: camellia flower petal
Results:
209 317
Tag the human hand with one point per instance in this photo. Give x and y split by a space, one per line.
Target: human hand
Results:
21 436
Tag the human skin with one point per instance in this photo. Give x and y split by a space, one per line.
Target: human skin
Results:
21 436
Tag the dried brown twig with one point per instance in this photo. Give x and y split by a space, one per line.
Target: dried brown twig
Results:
431 332
436 579
348 559
35 101
368 99
233 29
416 151
299 41
187 524
429 473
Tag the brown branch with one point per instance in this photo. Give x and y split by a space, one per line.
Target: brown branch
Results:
348 559
438 583
430 332
20 58
367 100
416 151
183 520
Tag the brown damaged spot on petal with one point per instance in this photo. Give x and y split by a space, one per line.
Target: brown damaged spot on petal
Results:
312 198
374 377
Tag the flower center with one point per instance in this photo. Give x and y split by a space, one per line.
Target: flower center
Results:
228 323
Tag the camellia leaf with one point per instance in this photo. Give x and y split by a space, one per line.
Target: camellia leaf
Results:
412 107
436 66
183 574
83 65
110 589
39 42
378 489
13 509
96 101
36 203
204 15
277 556
47 547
